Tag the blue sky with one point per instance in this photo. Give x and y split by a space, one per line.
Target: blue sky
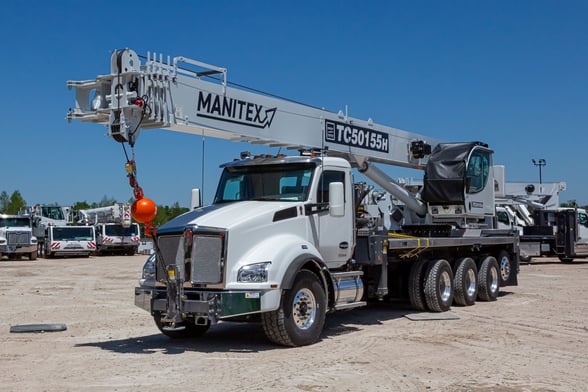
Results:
511 73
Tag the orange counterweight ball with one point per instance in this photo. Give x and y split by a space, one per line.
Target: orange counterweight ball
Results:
144 210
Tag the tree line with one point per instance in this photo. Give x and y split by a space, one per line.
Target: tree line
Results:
15 203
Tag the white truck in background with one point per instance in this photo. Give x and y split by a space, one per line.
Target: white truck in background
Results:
43 216
69 241
16 237
545 228
115 232
286 240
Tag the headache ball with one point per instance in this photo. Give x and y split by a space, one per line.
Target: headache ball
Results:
144 210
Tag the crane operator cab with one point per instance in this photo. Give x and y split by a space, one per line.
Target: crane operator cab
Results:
458 185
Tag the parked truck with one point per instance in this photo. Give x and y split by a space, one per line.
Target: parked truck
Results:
560 232
289 239
43 216
69 241
16 237
115 232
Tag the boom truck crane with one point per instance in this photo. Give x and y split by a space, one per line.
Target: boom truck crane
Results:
286 240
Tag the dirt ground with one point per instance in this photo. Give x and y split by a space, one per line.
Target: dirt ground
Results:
534 338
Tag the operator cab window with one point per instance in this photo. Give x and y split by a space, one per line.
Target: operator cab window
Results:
478 171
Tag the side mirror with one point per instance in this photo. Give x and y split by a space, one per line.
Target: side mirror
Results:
336 199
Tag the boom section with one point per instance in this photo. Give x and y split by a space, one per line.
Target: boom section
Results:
162 94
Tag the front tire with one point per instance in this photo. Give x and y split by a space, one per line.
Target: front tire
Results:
301 317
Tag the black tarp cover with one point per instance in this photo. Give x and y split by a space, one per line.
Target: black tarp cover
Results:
445 174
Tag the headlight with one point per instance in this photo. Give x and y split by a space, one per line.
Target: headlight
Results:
253 273
148 275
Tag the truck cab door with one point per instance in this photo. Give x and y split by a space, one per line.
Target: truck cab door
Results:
335 233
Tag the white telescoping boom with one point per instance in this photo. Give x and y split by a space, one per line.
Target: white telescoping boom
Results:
286 237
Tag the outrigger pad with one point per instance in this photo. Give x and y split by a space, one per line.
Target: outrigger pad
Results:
425 316
38 328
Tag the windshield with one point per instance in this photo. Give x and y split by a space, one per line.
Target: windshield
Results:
15 222
73 233
283 182
52 212
118 230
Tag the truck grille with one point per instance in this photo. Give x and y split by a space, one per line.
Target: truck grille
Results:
16 238
205 266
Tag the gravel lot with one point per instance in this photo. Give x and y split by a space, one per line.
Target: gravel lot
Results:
534 338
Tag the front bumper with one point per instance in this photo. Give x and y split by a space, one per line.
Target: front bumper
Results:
10 249
215 305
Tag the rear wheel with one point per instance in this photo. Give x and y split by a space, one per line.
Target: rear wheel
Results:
488 279
190 330
466 282
301 317
505 266
416 294
33 255
439 286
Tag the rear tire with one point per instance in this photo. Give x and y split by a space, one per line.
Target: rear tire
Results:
33 255
488 279
506 269
466 282
300 318
416 293
439 286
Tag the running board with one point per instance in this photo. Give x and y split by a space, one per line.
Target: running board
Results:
350 305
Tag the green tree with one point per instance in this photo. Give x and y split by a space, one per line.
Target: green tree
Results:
106 201
166 213
4 200
569 204
16 203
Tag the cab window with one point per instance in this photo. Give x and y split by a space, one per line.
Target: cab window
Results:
478 171
323 189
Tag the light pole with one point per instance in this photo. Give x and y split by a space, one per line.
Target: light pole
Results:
540 162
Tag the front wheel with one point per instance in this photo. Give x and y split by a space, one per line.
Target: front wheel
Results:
301 317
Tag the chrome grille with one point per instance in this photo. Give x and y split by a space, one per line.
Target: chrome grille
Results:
206 259
16 238
169 247
206 262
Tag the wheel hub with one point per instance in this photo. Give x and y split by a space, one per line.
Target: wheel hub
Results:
304 308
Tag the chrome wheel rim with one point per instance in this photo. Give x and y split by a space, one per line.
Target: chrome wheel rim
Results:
445 286
304 309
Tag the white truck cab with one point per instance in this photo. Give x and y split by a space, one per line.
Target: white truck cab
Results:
16 237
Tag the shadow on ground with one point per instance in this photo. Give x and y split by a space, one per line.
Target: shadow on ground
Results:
248 337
